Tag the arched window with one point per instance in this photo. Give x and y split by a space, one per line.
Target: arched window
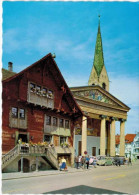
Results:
93 84
103 85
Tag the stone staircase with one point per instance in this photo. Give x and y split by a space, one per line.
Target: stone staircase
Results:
21 151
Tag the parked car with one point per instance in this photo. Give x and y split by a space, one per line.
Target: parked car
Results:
104 161
121 159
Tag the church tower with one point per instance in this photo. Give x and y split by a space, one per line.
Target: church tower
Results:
99 74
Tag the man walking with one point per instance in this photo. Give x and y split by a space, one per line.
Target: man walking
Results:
87 161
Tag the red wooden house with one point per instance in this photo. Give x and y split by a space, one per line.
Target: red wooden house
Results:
37 106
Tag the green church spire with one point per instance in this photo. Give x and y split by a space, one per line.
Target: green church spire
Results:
98 57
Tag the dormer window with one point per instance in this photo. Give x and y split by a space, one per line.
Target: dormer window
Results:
103 85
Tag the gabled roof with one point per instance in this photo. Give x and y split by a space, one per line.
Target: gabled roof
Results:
114 101
48 56
129 138
7 74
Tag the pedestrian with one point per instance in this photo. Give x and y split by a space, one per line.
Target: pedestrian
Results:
80 161
77 162
83 162
63 166
129 161
60 163
95 162
87 161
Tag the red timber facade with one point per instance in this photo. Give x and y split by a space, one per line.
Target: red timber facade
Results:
38 106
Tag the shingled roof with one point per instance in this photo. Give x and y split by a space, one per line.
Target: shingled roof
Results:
98 58
7 74
129 138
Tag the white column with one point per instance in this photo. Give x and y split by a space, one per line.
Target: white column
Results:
22 164
36 163
122 137
112 138
103 135
84 135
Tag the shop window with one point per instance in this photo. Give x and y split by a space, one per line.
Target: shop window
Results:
32 87
48 138
63 140
48 120
54 121
14 112
50 94
21 113
67 124
61 122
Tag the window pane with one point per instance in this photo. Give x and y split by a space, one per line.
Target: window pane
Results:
61 124
32 87
47 138
54 121
44 91
48 120
14 112
38 89
22 113
62 139
50 94
67 124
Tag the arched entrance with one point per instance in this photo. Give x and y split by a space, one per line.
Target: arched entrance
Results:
25 165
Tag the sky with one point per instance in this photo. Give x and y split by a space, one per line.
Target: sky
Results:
31 30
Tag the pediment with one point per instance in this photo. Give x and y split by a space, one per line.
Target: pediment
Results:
98 94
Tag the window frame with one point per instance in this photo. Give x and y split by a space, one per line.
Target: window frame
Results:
49 120
19 113
64 141
55 125
67 127
59 123
14 116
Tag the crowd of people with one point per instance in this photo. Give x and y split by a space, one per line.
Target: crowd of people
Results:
84 162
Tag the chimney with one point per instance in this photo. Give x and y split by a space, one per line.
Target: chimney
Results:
10 66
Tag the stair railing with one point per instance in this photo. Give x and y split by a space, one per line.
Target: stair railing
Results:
10 155
52 157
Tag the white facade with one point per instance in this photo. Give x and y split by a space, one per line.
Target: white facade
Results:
135 147
131 149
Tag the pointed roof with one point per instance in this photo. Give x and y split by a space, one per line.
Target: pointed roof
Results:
98 57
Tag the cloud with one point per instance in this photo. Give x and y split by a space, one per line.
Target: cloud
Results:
10 41
125 88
